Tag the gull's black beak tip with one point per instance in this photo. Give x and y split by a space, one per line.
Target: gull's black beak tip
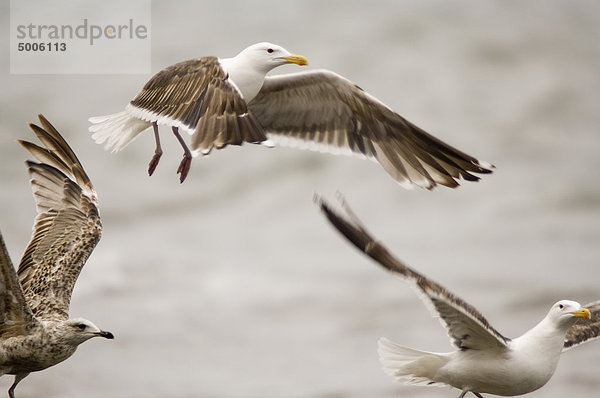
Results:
106 335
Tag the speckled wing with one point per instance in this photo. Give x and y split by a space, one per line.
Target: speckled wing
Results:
66 229
585 329
15 315
323 111
198 97
466 327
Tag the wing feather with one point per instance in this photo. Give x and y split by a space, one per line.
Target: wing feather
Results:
308 108
16 317
197 96
66 229
466 326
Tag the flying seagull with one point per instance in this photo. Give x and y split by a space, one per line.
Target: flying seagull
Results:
223 101
35 329
485 361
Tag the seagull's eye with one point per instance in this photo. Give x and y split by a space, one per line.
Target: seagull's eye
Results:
80 326
561 306
269 50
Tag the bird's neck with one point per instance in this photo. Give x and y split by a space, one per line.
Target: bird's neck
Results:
245 77
546 336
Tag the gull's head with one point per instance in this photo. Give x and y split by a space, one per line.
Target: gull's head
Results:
78 330
567 312
267 56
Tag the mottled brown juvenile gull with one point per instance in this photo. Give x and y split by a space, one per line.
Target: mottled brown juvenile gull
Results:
230 101
485 361
35 329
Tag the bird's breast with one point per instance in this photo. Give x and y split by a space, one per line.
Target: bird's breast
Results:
248 82
496 373
32 353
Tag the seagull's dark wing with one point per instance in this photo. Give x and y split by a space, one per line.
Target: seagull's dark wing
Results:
585 329
66 229
198 97
15 315
322 110
467 328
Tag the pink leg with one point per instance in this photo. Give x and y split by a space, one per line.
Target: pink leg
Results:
184 166
157 152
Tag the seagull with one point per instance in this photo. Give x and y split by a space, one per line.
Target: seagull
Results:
229 101
35 329
485 361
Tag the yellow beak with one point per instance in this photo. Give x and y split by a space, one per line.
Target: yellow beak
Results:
296 59
582 313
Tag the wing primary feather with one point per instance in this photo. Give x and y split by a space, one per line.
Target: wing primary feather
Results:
16 317
325 109
585 329
467 328
66 229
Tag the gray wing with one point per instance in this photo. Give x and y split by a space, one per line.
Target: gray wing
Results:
323 111
585 329
66 229
15 315
197 96
467 328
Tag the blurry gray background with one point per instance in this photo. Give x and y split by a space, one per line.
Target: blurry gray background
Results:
233 284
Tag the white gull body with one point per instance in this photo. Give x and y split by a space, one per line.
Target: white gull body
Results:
230 101
485 361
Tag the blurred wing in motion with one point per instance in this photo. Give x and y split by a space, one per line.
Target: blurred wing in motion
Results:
466 326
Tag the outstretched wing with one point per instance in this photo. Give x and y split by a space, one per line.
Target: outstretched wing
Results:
585 329
467 328
198 97
323 111
66 229
15 316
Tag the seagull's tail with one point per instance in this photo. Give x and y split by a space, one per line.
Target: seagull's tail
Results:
408 365
117 130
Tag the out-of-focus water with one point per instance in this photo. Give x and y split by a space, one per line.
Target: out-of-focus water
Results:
233 284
